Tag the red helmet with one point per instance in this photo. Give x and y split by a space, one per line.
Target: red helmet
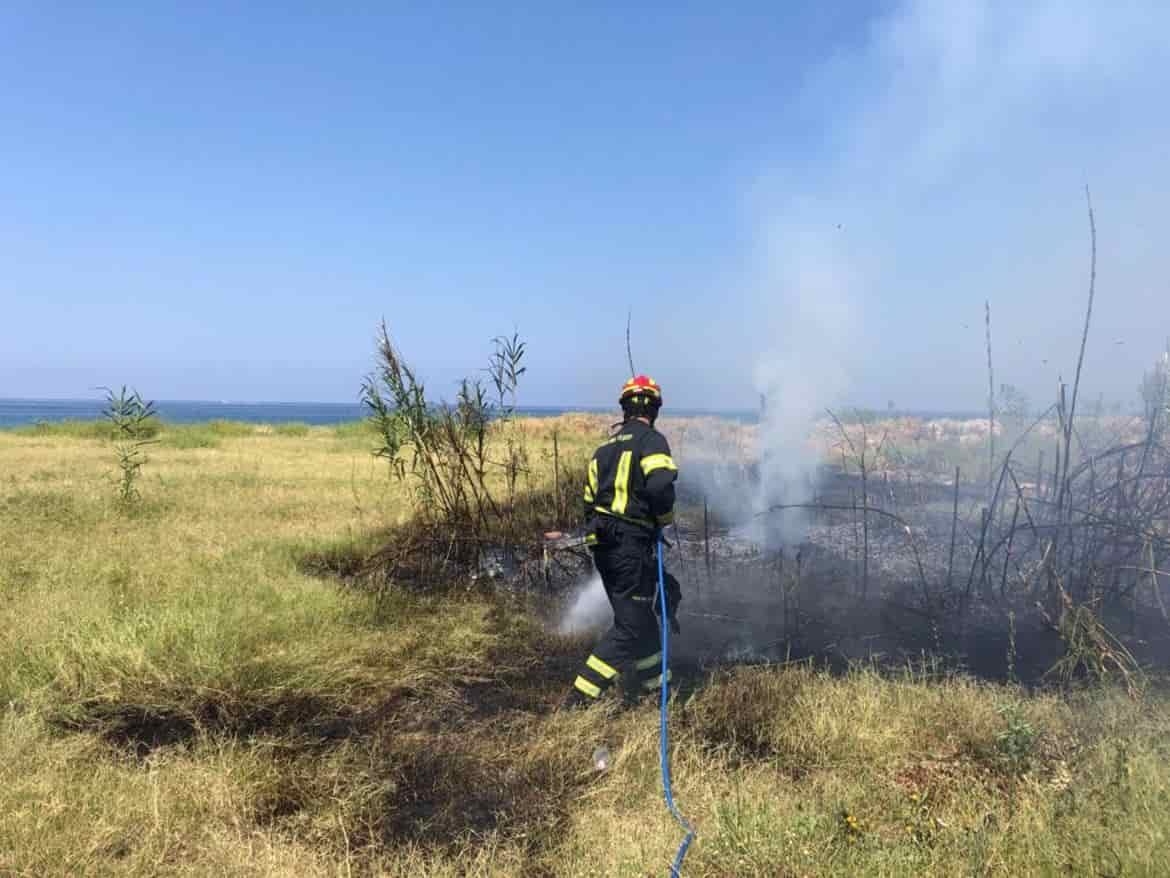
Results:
644 387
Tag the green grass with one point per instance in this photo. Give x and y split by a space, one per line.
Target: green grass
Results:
178 696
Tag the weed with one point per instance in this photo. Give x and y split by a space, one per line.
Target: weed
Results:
852 827
132 420
1090 648
1016 744
920 826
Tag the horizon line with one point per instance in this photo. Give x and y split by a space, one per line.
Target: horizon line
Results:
582 407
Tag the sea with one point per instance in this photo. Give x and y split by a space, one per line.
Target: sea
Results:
22 412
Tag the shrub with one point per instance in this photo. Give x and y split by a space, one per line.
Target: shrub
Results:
133 421
444 448
1016 744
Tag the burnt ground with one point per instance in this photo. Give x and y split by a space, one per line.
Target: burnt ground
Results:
813 584
820 584
799 584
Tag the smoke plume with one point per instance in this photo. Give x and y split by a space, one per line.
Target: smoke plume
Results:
805 368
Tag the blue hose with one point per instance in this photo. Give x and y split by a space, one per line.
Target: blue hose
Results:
664 748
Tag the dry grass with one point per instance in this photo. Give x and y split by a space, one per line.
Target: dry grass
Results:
178 698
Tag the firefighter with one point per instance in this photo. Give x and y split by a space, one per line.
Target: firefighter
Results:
629 498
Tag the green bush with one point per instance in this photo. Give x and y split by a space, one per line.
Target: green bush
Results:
292 428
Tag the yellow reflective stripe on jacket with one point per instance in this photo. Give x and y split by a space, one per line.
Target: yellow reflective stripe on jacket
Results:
649 662
652 462
592 479
621 483
656 682
587 687
596 664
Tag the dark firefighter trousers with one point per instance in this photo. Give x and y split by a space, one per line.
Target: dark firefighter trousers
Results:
629 650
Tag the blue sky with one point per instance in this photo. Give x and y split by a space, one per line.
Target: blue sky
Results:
221 201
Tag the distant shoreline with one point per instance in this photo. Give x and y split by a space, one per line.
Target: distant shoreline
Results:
25 412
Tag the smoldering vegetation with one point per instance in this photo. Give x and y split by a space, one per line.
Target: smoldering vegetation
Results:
895 568
1021 547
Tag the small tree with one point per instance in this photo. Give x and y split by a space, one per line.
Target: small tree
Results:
133 421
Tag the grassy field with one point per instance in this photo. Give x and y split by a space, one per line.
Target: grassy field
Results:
178 697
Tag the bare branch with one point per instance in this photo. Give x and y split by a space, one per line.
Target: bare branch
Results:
629 349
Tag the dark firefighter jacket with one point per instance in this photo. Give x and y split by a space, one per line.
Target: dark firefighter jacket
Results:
631 477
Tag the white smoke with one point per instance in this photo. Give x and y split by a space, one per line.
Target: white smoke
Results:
952 147
809 293
805 370
588 608
945 137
